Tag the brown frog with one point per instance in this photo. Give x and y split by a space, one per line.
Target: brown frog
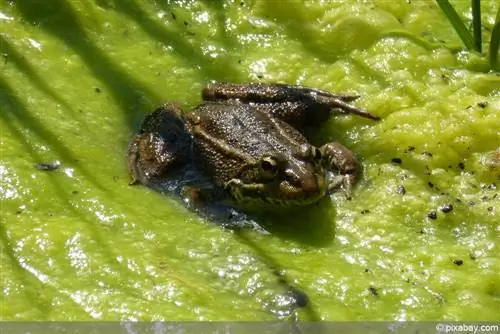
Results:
248 140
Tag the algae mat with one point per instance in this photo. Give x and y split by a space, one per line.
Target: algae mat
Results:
418 241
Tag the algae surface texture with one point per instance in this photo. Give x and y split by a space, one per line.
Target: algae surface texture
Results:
418 241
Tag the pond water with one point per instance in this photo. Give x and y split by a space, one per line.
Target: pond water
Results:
418 241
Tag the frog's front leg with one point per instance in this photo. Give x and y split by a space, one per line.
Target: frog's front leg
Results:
344 164
294 104
161 144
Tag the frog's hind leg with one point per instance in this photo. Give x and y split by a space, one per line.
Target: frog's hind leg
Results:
161 144
264 93
294 104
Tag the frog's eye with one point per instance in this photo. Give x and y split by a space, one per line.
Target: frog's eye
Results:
269 166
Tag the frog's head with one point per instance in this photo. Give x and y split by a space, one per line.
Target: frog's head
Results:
277 180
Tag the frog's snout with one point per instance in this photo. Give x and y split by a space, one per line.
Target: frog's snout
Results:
306 185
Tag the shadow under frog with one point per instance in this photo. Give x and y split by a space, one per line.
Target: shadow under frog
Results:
243 151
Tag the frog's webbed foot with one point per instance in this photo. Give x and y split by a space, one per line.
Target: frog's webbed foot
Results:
344 164
340 102
161 144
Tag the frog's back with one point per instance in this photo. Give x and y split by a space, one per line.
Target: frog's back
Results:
229 136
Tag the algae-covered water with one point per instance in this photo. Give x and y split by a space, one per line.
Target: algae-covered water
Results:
418 241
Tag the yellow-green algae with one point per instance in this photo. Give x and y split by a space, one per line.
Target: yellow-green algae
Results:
78 243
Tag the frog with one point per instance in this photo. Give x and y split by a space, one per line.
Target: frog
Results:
249 142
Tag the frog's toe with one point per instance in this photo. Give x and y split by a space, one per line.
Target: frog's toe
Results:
135 172
340 102
342 182
342 162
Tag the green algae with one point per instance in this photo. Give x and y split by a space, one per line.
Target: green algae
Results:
78 243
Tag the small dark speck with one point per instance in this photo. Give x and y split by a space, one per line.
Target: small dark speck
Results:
461 165
427 154
411 148
471 203
432 215
260 76
240 61
185 23
484 198
373 291
301 299
490 209
450 166
97 90
367 270
74 192
48 165
482 104
421 231
447 208
173 16
401 190
468 107
458 262
492 186
365 211
458 200
162 265
242 3
472 257
430 184
396 160
18 212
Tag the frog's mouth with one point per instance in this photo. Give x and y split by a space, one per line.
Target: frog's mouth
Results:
278 194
